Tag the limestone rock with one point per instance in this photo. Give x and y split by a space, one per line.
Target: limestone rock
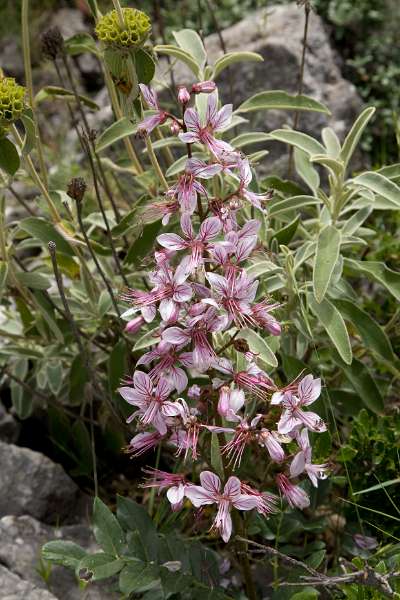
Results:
32 484
14 588
9 427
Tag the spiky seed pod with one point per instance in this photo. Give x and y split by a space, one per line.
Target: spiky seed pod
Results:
52 43
77 188
11 100
136 31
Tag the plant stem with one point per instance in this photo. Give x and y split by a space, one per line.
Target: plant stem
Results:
156 164
29 83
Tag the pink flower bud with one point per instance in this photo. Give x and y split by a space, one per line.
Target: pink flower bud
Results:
295 495
134 325
204 87
183 95
174 128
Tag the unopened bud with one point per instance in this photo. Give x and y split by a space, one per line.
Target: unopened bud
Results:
52 43
174 128
183 95
204 87
134 325
52 247
241 345
76 188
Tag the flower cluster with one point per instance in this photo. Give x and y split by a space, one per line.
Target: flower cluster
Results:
200 292
135 33
11 100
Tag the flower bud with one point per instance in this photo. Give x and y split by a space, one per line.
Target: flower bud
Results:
52 43
183 95
204 87
134 325
11 100
76 188
174 128
134 34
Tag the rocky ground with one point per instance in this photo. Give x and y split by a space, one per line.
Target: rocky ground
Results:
38 501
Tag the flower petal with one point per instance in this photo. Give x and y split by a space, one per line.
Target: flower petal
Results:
210 482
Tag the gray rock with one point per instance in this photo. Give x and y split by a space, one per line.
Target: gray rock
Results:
22 539
9 427
277 33
32 484
14 588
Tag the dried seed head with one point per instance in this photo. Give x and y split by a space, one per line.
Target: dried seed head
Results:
12 97
134 34
77 188
52 43
241 345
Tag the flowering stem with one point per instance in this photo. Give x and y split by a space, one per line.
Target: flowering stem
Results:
153 489
29 83
156 164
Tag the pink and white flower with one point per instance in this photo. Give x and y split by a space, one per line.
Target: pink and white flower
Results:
230 402
216 121
234 294
302 461
271 441
209 492
187 187
295 495
293 416
175 483
266 503
142 442
152 121
152 402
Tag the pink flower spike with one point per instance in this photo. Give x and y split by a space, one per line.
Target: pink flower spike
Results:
295 495
209 492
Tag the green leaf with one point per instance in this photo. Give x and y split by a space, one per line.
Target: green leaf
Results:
117 365
9 157
289 204
326 256
351 226
379 184
61 552
45 232
54 375
145 66
30 132
147 339
216 458
78 377
180 54
94 567
372 334
80 43
331 142
378 486
352 138
285 235
245 139
20 397
191 42
115 132
334 166
232 58
106 529
128 221
3 275
306 170
333 323
308 593
280 99
33 280
60 93
144 243
299 140
47 312
363 383
138 577
377 271
134 517
259 346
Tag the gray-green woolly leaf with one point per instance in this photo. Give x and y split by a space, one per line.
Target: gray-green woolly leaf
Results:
9 157
352 138
115 132
34 280
259 346
377 271
391 171
279 99
305 169
147 339
331 142
326 256
289 204
191 42
298 140
285 235
245 139
80 43
334 325
334 166
372 334
262 267
30 132
179 54
352 225
53 92
379 184
94 567
232 58
106 529
363 383
62 552
3 275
